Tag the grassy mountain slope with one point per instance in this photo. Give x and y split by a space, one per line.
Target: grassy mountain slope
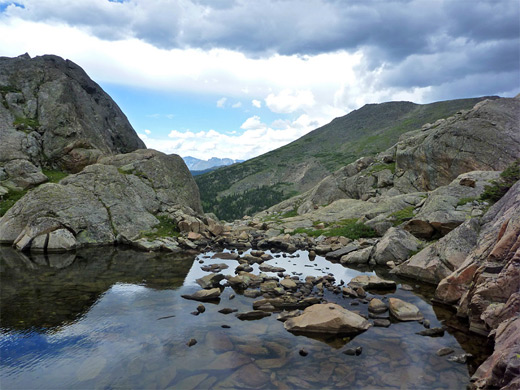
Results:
240 189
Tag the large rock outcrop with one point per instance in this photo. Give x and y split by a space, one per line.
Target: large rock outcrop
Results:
54 116
485 289
115 200
485 138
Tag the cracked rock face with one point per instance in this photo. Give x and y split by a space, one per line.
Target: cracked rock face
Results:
53 115
102 203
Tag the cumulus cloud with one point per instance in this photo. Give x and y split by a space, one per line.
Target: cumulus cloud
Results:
221 102
288 101
237 105
256 103
257 138
252 123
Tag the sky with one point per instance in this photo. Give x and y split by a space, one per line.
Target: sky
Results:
237 78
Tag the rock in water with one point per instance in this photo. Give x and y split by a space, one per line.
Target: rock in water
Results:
377 306
374 282
404 311
204 295
210 281
327 318
252 315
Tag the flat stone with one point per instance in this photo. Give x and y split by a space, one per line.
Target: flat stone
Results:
204 295
381 322
288 284
445 351
327 318
228 361
404 311
433 332
374 282
252 315
337 254
210 281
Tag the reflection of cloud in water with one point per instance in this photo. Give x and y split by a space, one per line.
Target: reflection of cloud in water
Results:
293 266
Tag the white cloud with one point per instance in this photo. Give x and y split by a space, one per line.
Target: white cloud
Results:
252 123
237 105
257 138
221 102
256 103
288 101
147 131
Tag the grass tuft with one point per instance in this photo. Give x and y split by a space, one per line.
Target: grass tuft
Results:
9 200
53 175
165 228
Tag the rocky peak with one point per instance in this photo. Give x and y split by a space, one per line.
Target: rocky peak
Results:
54 116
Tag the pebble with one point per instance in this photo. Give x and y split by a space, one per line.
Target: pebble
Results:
227 310
201 308
225 326
445 351
303 352
460 358
191 342
353 351
384 323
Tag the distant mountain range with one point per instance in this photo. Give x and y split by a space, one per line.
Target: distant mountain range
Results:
195 164
234 191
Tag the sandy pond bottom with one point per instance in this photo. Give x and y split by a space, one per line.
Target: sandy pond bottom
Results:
110 318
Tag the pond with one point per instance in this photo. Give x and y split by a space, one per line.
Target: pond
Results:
107 318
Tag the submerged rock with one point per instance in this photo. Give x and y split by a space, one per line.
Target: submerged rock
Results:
252 315
327 318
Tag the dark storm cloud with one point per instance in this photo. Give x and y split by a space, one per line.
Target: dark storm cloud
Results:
418 43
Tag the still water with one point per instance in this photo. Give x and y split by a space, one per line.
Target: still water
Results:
110 318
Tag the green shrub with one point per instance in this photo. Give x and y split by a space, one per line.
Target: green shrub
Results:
289 214
381 167
349 228
463 201
7 88
498 188
402 215
9 200
53 175
26 123
165 228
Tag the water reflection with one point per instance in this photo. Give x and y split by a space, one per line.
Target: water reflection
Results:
114 318
45 291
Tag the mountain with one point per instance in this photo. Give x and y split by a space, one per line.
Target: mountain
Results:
195 164
54 116
266 180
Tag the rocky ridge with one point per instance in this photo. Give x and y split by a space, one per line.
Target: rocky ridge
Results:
54 116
